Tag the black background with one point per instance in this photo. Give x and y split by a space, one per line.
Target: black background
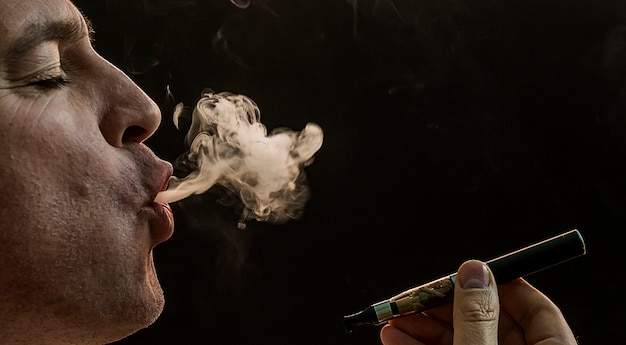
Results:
452 130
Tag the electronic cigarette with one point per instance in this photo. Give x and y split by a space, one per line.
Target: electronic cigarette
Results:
520 263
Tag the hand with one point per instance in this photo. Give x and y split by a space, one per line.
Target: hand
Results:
520 315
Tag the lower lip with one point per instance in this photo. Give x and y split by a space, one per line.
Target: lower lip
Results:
164 224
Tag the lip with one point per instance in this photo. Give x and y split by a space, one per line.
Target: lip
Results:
161 215
162 224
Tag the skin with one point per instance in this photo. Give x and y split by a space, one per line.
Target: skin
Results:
77 219
514 313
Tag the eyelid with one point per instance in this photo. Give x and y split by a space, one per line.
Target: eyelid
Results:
50 73
50 60
40 74
44 56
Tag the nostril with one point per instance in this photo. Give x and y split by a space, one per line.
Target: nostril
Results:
134 133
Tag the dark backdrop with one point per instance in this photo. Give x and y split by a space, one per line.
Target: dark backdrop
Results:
452 130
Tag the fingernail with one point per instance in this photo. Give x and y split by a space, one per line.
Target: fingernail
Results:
473 275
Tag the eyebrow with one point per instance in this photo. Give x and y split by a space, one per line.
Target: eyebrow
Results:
36 33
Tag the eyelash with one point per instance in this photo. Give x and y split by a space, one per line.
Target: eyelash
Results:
51 83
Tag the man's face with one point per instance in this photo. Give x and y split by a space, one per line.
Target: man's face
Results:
77 218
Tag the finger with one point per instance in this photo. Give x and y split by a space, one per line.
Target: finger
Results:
390 335
532 310
442 313
426 329
475 305
509 332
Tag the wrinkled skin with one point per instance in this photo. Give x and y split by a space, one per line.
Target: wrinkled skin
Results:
77 218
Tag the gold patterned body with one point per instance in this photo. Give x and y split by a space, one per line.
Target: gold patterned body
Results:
423 297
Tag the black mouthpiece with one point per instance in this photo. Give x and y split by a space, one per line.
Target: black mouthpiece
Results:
365 317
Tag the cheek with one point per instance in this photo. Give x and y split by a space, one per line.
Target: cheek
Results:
53 142
57 174
63 231
69 208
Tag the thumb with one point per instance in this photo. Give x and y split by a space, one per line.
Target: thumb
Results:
476 305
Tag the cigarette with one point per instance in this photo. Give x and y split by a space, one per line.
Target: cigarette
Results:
519 263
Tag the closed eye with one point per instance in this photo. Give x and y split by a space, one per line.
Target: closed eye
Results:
50 83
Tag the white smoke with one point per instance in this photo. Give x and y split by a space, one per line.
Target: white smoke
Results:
241 3
229 146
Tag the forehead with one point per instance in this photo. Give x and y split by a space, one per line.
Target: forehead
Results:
17 15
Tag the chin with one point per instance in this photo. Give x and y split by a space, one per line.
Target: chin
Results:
125 317
142 306
138 317
153 297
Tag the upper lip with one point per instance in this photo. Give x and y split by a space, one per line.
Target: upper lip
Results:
154 172
163 225
162 180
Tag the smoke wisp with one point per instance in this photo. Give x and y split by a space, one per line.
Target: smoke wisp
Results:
229 146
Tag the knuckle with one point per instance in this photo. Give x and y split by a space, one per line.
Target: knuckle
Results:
479 309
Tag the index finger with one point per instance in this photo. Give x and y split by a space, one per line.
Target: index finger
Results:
535 313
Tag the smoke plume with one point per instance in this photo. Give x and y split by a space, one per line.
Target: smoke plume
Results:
229 146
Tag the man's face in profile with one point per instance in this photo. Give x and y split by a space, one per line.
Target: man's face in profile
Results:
77 217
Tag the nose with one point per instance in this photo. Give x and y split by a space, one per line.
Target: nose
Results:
128 114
